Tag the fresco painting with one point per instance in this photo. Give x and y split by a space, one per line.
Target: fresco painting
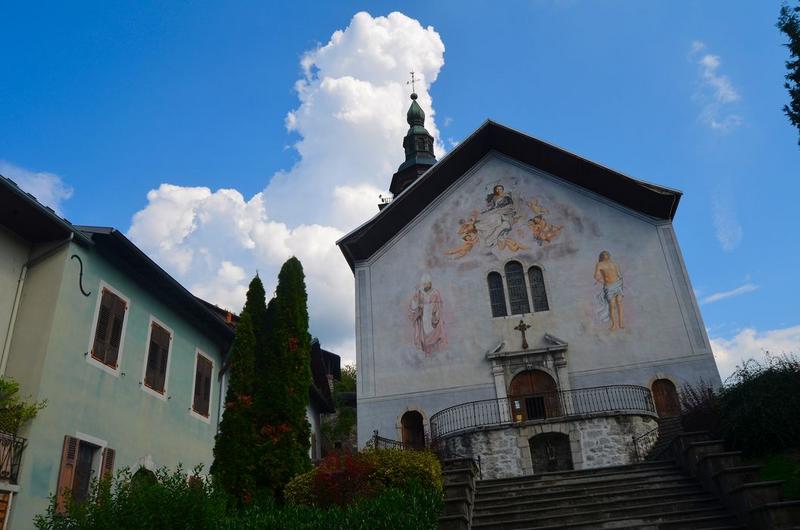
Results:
426 313
609 297
493 227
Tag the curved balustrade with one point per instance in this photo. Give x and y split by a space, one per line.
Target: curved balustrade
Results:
629 399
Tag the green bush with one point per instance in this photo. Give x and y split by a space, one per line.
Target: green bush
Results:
300 490
760 406
398 468
169 501
173 502
343 478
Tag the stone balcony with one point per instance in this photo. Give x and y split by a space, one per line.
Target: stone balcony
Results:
522 435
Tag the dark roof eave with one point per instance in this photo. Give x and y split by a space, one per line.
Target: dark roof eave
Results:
650 199
217 327
46 214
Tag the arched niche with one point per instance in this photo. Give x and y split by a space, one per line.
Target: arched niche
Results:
550 452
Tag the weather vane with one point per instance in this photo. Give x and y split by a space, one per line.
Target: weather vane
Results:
413 80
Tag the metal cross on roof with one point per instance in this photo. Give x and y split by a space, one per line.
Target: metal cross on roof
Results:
413 80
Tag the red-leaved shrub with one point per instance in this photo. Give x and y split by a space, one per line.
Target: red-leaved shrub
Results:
341 478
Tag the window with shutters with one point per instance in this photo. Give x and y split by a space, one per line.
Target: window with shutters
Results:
201 398
538 291
517 292
157 358
79 465
497 296
109 328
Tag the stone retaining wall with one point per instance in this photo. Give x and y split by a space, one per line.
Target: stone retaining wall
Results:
595 441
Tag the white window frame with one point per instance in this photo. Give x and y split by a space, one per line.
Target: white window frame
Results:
97 459
91 360
153 320
192 412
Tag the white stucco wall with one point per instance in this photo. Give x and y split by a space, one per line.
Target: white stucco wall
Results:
13 255
664 335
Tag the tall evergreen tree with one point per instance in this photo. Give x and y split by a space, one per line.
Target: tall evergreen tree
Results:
235 459
789 23
285 432
256 306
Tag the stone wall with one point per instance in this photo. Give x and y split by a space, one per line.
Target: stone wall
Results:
597 441
498 450
606 441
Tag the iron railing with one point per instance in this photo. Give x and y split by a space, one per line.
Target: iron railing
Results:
641 445
490 413
379 442
11 447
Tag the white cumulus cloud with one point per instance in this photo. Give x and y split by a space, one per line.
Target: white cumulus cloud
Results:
350 121
48 188
715 92
750 343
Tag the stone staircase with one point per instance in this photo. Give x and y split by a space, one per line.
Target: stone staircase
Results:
650 495
668 430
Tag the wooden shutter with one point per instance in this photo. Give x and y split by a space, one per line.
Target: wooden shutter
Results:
108 331
115 331
202 385
156 371
102 331
66 474
107 465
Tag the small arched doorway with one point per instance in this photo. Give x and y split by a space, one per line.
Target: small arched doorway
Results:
413 430
665 397
533 395
550 452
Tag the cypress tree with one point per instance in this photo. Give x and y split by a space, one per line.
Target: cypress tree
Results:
256 306
285 432
235 459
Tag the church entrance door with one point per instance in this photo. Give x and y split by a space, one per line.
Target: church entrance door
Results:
413 430
550 452
665 398
533 395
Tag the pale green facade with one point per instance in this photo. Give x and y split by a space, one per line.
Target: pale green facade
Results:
48 354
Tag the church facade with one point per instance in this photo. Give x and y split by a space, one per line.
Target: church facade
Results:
521 303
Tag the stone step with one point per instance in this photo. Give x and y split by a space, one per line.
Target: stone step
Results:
591 471
540 481
609 497
599 488
713 516
579 511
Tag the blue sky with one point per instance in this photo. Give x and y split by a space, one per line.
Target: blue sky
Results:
109 102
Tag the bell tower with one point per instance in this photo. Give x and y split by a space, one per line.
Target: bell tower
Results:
418 145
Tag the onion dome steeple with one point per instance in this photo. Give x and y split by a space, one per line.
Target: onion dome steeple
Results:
418 144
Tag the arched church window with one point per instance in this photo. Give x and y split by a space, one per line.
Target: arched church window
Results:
496 295
517 293
538 292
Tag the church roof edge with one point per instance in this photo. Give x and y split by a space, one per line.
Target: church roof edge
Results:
647 198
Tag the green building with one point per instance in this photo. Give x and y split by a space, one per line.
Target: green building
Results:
127 359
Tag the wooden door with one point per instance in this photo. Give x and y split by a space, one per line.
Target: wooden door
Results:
413 430
665 397
533 395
